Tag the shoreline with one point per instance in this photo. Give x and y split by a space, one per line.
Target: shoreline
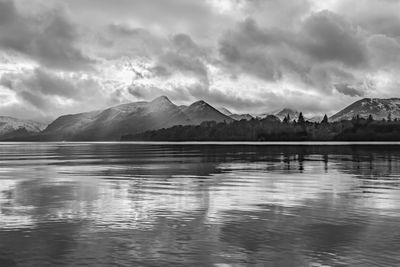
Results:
227 143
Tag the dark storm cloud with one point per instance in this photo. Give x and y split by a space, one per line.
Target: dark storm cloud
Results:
330 38
255 62
325 76
346 89
248 49
324 52
182 55
266 52
49 39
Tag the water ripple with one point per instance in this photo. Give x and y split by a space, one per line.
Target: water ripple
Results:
123 204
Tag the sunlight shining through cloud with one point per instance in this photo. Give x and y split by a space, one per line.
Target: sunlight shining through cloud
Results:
247 55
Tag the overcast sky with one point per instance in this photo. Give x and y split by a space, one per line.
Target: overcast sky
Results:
69 56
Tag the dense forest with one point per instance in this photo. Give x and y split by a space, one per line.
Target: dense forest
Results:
272 129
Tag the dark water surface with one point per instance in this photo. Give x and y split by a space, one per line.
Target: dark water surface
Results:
119 204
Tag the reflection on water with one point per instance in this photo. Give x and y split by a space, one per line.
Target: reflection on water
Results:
122 204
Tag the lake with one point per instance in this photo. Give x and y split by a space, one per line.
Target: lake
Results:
139 204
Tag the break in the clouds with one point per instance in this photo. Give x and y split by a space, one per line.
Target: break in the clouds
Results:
72 56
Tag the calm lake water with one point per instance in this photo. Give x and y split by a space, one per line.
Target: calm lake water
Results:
125 204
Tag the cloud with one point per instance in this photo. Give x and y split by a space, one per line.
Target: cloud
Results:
48 94
249 55
323 50
49 38
181 56
7 12
328 37
120 40
184 64
40 82
276 14
249 49
346 89
375 16
199 18
184 44
178 95
384 51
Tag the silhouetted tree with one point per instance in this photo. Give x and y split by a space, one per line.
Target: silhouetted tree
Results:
286 119
272 129
325 120
370 118
301 118
389 117
356 118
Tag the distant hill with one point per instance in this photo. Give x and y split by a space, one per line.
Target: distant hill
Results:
378 108
281 114
131 118
12 127
201 111
111 123
238 117
138 117
315 119
294 114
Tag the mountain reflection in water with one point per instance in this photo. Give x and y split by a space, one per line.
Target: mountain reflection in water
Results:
123 204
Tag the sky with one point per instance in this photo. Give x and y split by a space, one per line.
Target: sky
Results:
250 56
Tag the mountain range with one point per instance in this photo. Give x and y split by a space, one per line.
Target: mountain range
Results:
12 127
136 117
236 117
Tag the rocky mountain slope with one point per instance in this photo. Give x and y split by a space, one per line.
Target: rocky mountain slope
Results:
201 111
131 118
294 114
239 117
236 117
111 123
378 108
12 127
281 114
